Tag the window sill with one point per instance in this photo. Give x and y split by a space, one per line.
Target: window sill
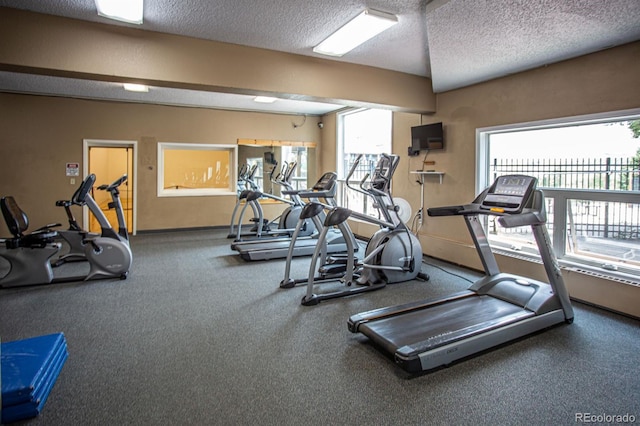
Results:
194 193
573 265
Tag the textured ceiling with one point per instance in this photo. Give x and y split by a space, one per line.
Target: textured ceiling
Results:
455 42
474 41
294 26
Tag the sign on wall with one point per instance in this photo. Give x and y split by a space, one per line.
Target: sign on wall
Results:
73 169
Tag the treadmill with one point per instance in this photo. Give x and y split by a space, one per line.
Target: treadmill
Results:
324 189
498 308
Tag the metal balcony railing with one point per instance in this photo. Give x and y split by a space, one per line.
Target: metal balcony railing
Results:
593 208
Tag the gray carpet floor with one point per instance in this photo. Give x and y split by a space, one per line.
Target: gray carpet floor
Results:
195 335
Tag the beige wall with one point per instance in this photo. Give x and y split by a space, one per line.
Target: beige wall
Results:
41 134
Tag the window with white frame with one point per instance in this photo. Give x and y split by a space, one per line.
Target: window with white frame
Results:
196 169
589 171
367 132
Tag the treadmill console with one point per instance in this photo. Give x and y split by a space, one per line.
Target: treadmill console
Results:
509 193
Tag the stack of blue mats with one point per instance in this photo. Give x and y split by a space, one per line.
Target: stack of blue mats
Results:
29 370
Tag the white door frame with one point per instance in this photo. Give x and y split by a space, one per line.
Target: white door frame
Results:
88 143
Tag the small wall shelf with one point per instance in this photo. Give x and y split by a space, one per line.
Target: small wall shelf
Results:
422 174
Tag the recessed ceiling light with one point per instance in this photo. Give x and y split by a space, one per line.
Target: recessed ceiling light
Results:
265 99
121 10
355 32
131 87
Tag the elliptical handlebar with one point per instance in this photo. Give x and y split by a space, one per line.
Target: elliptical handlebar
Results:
284 176
273 170
352 170
249 177
363 182
377 186
383 174
292 167
242 171
281 174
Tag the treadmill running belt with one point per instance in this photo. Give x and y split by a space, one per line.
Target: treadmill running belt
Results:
425 329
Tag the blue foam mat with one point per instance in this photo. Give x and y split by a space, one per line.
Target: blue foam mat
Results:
24 364
33 407
29 370
42 382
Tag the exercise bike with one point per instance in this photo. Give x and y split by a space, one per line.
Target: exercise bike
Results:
75 237
113 189
29 254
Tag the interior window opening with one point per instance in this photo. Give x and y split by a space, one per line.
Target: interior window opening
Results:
196 169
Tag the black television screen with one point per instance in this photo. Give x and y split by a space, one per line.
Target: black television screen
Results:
427 137
269 160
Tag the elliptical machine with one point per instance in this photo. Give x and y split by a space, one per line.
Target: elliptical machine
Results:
109 254
284 225
393 253
246 176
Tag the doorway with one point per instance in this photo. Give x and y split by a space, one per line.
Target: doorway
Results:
109 160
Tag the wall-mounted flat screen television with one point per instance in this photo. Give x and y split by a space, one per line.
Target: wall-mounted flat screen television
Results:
426 137
269 160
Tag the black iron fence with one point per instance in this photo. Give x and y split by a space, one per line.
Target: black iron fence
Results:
352 199
619 220
620 174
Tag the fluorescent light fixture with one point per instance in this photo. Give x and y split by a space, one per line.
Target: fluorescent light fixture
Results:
265 99
131 87
121 10
363 27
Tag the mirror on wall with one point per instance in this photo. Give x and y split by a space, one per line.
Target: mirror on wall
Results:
266 155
